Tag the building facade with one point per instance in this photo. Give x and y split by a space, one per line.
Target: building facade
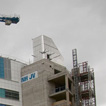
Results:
10 84
45 83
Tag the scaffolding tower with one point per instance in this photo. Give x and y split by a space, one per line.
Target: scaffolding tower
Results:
84 83
87 85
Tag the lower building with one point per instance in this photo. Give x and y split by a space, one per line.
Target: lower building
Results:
10 84
45 83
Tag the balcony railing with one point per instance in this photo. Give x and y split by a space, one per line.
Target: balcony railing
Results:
58 89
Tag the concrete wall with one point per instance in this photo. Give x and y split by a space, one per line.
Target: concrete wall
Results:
36 92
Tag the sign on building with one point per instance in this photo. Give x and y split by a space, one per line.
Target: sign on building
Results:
29 77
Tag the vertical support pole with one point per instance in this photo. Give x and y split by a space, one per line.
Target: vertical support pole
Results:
67 90
94 90
73 103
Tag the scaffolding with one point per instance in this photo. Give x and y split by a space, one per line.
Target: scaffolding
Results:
87 85
84 83
76 77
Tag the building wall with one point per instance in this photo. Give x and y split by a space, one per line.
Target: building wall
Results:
36 92
10 84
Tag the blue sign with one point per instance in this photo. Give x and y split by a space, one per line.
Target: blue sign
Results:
29 77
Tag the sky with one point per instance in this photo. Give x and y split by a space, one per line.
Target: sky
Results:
79 24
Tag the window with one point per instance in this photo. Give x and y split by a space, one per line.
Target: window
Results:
4 105
12 94
1 67
4 93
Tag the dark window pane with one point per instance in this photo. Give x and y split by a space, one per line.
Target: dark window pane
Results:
12 94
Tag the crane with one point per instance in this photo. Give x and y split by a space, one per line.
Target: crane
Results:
9 20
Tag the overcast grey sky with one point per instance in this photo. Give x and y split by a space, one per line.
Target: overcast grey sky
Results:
71 24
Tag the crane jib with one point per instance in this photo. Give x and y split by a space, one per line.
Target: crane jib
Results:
9 20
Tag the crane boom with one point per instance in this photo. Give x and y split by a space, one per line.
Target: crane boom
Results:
9 20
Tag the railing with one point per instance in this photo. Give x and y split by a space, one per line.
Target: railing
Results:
84 67
88 102
58 89
87 85
84 86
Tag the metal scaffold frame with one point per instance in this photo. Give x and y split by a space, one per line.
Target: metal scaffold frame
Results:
87 81
84 83
76 77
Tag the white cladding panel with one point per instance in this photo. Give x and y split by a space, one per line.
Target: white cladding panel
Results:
16 76
11 85
44 43
16 70
37 48
10 102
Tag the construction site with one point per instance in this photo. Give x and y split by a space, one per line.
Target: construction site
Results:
46 81
84 80
53 84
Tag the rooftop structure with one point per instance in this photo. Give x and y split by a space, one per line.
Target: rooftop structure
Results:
44 48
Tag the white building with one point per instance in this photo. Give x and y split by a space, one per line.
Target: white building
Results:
10 83
44 47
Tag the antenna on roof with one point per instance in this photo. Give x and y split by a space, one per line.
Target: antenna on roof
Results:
43 52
